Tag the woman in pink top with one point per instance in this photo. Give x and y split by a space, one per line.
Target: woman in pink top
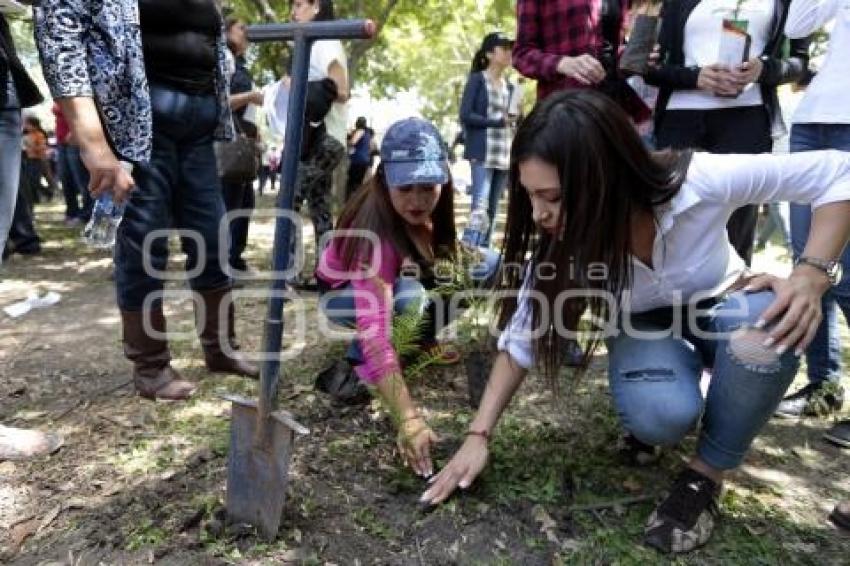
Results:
403 217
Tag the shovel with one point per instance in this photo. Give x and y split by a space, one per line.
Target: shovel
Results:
261 436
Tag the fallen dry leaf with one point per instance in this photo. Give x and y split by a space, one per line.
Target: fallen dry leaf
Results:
49 518
21 532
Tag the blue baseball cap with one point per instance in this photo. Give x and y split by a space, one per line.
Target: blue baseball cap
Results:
413 153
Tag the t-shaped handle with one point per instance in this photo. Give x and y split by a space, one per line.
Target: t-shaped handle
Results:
335 29
303 37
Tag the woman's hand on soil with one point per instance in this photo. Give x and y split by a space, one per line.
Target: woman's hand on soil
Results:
414 441
796 312
461 471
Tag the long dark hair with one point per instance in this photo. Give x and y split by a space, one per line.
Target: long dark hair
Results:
479 61
607 175
370 208
228 24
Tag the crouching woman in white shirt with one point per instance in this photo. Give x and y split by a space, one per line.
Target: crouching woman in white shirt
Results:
642 236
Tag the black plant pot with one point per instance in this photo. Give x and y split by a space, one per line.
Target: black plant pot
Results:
477 364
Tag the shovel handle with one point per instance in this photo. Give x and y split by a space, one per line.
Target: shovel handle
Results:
303 36
336 29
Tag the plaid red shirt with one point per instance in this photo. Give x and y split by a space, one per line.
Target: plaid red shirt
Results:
550 29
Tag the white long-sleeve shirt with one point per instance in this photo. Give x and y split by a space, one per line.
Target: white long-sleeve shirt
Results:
692 257
825 101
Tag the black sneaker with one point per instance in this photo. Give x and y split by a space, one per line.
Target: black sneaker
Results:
633 452
839 434
686 518
342 384
814 400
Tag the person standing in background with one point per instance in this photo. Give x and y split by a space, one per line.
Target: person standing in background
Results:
325 133
702 104
154 95
565 44
268 169
361 143
72 173
243 101
22 236
18 91
822 121
484 114
37 161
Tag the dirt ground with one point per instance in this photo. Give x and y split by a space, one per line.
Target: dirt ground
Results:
140 482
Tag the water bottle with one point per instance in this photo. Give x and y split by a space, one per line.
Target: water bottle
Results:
105 217
476 230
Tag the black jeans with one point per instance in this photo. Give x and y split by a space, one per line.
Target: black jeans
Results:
75 181
356 174
179 188
22 235
728 130
238 196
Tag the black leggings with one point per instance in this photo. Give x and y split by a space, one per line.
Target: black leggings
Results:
728 130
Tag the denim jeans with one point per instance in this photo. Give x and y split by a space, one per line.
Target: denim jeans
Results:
239 196
655 382
823 357
179 188
776 220
338 304
10 168
487 188
75 181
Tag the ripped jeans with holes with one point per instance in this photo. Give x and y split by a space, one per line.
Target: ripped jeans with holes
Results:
658 357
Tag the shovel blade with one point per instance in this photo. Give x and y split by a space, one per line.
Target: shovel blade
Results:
258 469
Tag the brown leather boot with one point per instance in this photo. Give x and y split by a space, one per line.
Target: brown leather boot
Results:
217 333
152 372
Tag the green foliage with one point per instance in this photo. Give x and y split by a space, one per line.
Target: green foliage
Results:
407 331
425 46
455 277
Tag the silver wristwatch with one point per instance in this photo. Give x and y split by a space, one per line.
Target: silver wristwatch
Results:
831 267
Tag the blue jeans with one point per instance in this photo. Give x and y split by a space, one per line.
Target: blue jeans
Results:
487 188
655 382
75 181
178 188
10 168
775 221
823 357
338 304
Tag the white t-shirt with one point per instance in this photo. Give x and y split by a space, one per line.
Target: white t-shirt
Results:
322 55
702 47
692 256
825 101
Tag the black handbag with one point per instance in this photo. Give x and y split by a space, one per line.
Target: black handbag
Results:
237 161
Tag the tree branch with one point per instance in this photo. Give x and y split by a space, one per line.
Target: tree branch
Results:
265 9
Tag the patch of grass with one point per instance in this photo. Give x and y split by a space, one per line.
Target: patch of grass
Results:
526 462
367 520
146 534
